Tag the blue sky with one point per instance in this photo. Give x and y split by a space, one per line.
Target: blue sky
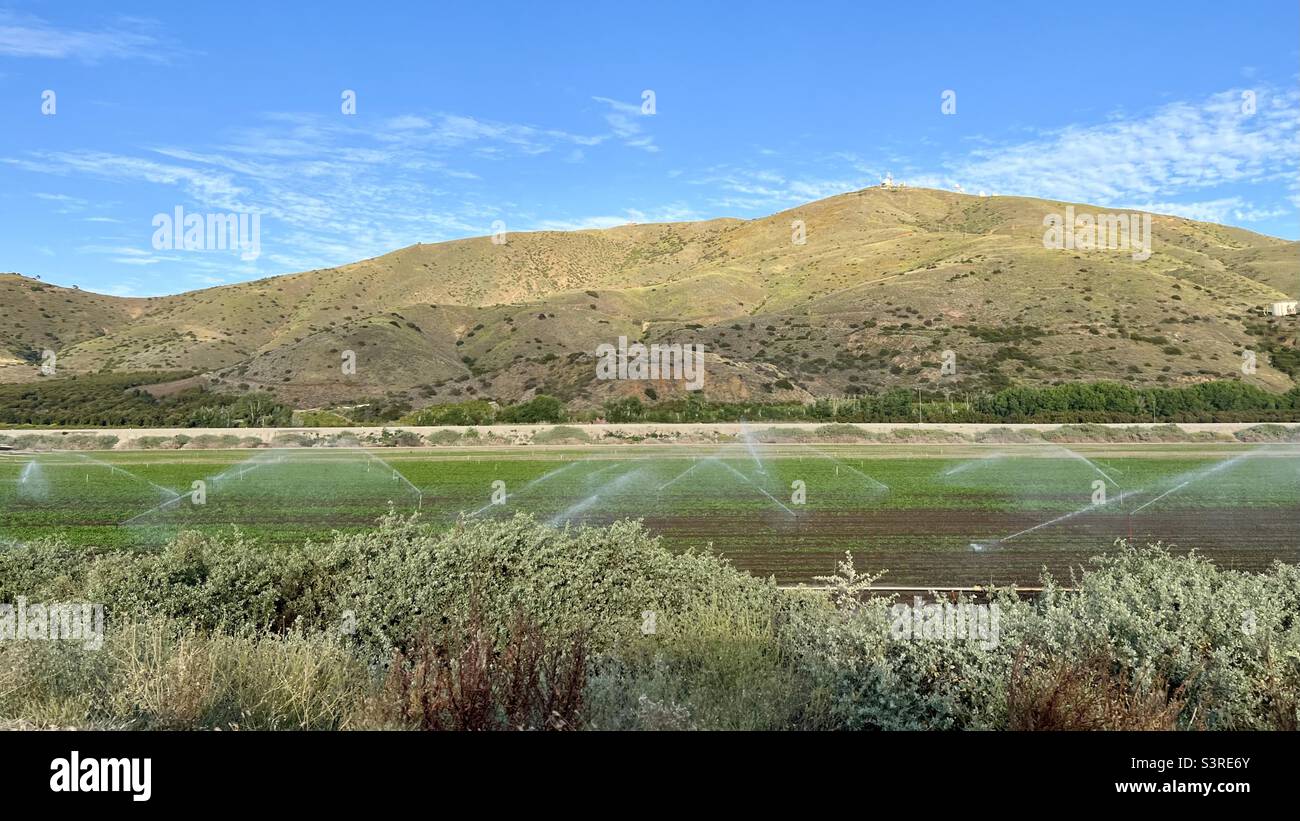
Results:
531 114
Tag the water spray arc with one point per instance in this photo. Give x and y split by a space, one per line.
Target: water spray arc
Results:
166 491
238 471
746 436
879 484
32 484
982 461
1191 478
398 476
534 483
759 487
578 507
1197 476
1103 474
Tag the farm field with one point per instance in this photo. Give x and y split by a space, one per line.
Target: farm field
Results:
930 515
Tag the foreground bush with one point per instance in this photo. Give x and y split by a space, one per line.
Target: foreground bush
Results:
513 624
401 579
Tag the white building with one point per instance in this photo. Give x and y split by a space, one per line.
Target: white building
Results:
1284 308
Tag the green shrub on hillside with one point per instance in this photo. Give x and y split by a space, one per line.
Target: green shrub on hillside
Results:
1270 433
118 400
65 441
539 409
560 435
477 412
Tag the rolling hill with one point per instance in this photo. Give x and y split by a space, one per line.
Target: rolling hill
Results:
886 281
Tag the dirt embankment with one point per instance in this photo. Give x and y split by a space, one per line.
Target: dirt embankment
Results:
683 434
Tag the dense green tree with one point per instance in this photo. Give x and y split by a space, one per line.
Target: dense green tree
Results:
539 409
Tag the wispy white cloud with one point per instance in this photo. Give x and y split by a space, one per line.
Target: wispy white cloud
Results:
127 254
580 224
1210 160
126 287
444 130
1232 210
675 212
28 36
761 190
1173 155
64 203
627 122
332 189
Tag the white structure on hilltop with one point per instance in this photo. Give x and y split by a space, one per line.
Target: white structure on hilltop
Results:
1284 308
888 183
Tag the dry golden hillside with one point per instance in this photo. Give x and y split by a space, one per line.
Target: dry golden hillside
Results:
884 283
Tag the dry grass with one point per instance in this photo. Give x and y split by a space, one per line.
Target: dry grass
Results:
1094 694
148 676
528 683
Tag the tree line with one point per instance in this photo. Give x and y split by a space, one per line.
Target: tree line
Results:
119 400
